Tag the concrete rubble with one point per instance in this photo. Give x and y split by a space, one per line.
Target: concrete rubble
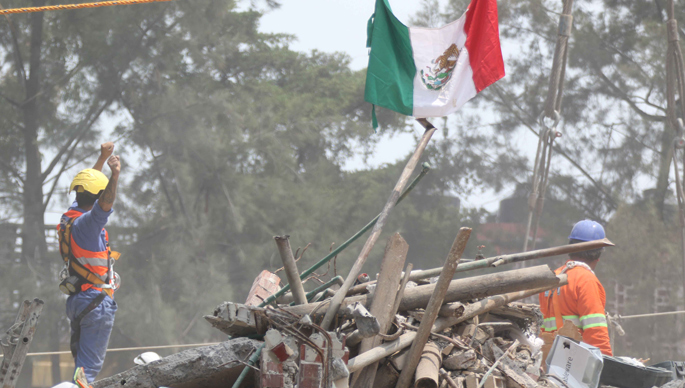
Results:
479 335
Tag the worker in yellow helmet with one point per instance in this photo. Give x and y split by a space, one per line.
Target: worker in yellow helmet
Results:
88 277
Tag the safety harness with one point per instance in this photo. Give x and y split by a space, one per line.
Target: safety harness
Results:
80 271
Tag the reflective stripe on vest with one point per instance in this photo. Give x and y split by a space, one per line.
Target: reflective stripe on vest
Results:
593 320
95 262
550 324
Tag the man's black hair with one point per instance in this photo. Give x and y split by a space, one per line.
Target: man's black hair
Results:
86 199
587 256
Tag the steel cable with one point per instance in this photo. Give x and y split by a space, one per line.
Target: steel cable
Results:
675 78
552 111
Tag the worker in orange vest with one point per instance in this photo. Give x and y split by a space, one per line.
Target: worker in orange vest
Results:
88 277
582 300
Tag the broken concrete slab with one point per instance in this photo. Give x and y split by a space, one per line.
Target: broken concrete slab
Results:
235 319
463 359
215 366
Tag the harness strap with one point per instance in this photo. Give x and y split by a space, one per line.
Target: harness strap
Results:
76 323
78 268
90 277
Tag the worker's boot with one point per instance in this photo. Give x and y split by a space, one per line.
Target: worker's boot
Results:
80 378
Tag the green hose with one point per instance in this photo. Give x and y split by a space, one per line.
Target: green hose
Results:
253 359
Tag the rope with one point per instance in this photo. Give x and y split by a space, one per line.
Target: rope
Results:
127 349
75 6
650 315
675 80
543 156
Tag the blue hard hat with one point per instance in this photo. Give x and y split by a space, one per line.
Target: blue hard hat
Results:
587 230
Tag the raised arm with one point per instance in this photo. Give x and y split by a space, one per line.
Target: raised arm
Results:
106 200
106 150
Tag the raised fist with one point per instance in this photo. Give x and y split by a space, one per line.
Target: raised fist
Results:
114 164
106 149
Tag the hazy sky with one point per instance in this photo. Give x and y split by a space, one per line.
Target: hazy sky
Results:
332 25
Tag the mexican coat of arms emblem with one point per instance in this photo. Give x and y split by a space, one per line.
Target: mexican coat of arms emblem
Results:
436 76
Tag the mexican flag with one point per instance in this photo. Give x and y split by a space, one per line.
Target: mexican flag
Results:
432 72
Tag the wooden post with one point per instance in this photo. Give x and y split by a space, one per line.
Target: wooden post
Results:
290 268
336 301
383 302
433 307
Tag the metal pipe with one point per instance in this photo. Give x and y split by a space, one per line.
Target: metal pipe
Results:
515 258
428 370
336 251
290 268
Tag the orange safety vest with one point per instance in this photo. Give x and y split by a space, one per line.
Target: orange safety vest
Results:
93 268
582 301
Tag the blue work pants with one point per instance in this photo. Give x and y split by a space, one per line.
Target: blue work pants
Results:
96 327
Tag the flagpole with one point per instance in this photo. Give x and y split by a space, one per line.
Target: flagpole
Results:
337 299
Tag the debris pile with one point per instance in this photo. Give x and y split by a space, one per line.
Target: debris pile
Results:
406 328
469 336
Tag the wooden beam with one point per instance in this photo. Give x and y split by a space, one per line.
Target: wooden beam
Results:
433 307
383 302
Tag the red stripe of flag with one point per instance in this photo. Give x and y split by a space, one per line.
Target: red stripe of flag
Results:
482 43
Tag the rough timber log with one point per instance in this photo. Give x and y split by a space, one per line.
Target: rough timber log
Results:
383 302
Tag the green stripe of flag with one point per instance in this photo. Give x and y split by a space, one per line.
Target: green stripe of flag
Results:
390 76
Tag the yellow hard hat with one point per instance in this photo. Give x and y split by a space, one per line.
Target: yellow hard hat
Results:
90 180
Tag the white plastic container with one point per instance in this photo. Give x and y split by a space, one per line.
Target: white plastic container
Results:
577 364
